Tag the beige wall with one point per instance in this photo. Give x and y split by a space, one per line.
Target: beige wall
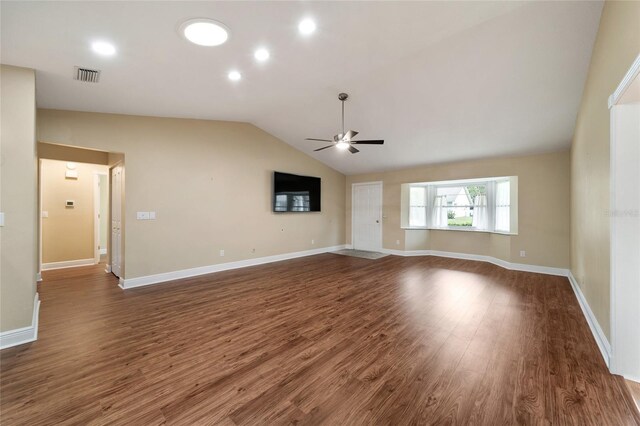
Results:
543 205
18 197
210 184
68 232
617 45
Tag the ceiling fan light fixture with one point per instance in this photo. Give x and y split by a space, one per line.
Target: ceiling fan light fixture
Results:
342 145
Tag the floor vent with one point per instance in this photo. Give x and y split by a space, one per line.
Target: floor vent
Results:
86 74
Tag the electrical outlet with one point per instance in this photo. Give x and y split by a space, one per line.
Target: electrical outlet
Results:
523 253
313 242
221 252
397 242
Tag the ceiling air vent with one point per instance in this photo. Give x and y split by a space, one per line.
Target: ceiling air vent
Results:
86 74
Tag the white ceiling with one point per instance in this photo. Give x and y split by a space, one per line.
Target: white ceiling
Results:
439 81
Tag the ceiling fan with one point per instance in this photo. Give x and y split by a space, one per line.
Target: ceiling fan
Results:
343 140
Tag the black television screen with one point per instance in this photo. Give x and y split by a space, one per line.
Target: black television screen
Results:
293 193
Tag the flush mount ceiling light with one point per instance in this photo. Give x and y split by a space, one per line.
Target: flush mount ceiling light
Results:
205 32
306 26
103 48
261 55
234 76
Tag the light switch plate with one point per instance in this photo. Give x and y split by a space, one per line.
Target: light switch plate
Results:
142 215
1 218
45 213
152 215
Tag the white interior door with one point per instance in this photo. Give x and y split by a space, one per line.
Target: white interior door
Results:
116 221
367 216
96 217
625 240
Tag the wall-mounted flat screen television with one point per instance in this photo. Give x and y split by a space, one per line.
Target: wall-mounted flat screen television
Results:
293 193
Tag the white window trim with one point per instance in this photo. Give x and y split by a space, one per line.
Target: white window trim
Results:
490 183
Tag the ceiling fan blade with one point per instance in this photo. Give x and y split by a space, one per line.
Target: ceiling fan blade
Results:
353 150
350 134
369 142
321 140
320 149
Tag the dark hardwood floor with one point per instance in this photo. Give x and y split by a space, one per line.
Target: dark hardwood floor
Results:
324 339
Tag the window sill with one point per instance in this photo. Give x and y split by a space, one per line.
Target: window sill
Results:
459 229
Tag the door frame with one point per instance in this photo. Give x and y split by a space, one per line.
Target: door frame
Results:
353 210
39 274
621 305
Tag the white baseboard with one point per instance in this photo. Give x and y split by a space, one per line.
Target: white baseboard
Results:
107 269
632 378
102 251
22 335
68 264
598 334
481 258
39 276
128 283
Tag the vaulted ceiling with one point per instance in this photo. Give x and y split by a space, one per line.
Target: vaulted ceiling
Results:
439 81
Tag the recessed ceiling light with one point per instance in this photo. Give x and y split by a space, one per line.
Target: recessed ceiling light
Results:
306 26
205 32
103 48
234 76
261 55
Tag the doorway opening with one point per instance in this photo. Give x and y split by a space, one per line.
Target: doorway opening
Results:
81 208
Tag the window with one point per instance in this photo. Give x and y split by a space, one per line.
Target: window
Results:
503 206
458 205
417 206
472 205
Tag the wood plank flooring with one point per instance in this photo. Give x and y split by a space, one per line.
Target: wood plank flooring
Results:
634 390
324 339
